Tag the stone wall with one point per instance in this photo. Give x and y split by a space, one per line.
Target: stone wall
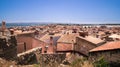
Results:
34 56
51 59
83 46
111 56
8 48
29 57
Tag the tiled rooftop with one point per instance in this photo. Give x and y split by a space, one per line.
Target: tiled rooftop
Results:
92 39
107 46
68 38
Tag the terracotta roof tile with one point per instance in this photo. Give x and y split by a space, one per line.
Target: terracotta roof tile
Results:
18 32
68 38
107 46
47 36
92 39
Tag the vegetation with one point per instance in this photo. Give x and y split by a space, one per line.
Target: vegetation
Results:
36 65
101 63
81 62
77 62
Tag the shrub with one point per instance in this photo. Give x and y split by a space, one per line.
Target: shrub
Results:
77 63
101 63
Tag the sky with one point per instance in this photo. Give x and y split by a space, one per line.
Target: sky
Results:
60 11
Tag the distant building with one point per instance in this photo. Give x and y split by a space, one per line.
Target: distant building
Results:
115 37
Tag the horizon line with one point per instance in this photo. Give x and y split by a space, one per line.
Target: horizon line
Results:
70 22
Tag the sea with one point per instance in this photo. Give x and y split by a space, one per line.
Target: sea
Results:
8 25
23 24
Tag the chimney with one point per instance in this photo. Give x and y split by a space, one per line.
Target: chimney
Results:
67 33
11 31
74 31
46 48
82 34
51 40
52 44
97 36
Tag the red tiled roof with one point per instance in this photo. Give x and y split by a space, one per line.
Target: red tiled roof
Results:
68 38
47 37
19 32
107 46
92 39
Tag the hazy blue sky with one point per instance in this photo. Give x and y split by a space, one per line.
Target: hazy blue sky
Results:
73 11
